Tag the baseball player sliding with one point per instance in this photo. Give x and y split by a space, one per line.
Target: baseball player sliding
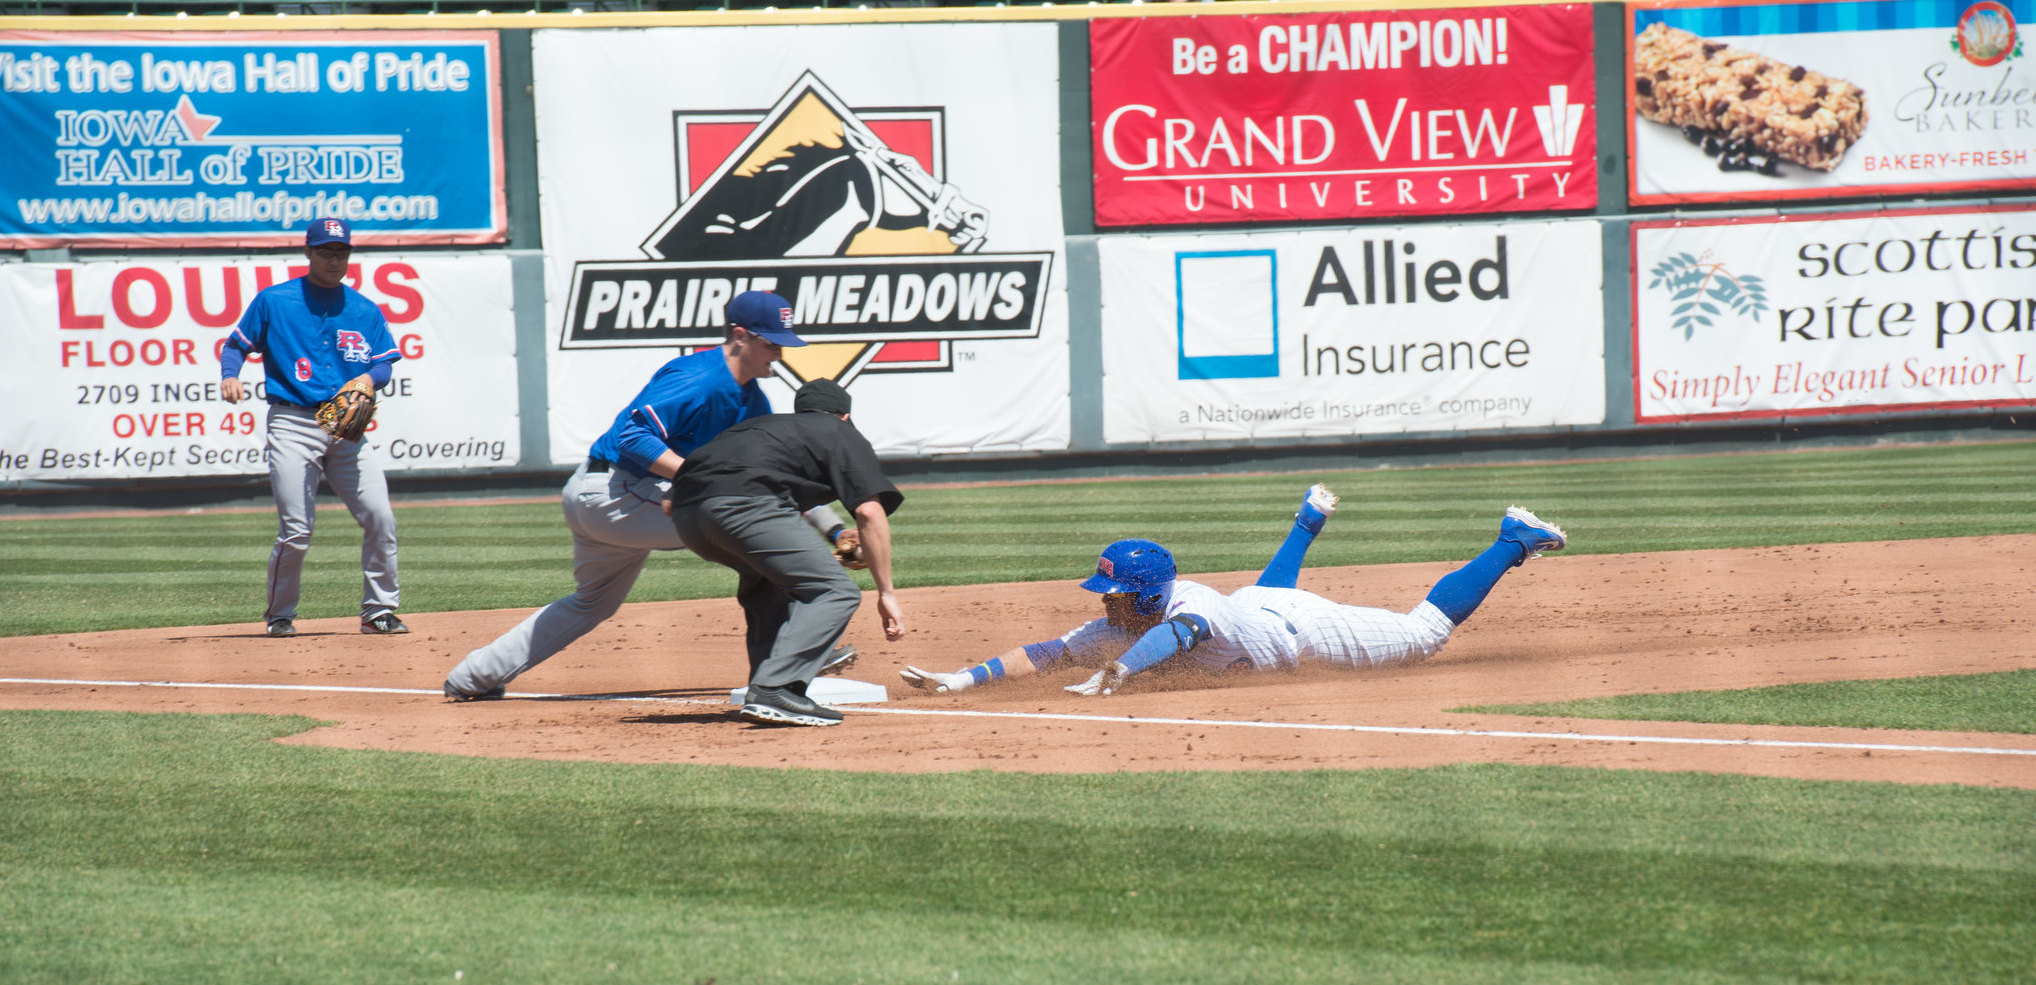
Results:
1152 617
320 339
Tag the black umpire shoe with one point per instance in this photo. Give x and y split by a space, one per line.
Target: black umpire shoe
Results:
282 628
385 624
784 706
840 660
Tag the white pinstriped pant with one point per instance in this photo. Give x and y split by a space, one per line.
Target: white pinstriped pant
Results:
1352 635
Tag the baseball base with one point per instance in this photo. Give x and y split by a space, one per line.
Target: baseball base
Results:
830 691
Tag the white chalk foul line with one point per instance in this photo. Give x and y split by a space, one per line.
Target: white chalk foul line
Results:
1472 733
339 689
1126 719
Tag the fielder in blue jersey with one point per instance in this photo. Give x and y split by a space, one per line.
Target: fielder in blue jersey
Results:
314 335
1151 617
614 502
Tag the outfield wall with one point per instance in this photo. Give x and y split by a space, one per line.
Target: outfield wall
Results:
1125 234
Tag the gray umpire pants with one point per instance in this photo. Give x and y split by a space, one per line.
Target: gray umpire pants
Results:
794 594
300 453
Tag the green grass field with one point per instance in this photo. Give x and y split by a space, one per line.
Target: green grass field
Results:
176 848
71 575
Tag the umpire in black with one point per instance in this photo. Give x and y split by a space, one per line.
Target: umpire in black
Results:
737 502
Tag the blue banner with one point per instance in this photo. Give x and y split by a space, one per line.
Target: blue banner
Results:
1810 18
220 140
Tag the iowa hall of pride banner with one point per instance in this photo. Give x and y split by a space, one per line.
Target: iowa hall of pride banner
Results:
1350 115
238 139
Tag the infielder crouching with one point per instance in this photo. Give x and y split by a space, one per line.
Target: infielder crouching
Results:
1151 617
614 502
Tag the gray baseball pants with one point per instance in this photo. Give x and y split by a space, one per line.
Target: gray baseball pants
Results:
795 596
616 520
300 453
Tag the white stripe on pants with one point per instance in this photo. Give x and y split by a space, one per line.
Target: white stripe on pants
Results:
300 453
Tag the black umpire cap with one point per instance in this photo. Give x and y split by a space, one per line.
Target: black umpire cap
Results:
823 395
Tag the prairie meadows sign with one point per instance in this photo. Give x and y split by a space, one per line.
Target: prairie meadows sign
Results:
911 219
869 243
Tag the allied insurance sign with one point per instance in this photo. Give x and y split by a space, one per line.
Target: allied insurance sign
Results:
239 139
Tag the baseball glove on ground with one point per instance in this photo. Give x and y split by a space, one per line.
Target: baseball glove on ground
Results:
347 414
848 550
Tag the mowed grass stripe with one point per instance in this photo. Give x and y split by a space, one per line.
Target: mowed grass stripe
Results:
70 575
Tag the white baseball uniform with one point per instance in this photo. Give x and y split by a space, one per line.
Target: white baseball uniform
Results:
1262 628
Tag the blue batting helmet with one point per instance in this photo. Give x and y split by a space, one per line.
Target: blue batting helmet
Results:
1137 566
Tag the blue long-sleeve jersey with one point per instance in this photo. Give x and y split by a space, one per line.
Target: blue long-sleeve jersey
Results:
312 341
687 402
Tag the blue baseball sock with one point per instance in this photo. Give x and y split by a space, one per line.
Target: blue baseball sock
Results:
1284 570
1459 592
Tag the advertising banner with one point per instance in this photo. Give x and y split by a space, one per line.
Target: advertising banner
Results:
156 140
1377 330
112 369
1774 101
1347 115
912 219
1846 314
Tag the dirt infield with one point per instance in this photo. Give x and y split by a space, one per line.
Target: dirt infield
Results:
652 685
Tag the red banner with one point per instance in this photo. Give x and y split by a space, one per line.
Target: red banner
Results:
1353 115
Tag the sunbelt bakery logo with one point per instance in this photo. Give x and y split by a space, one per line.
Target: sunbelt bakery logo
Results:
850 214
1987 34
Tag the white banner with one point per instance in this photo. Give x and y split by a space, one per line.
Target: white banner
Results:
1373 330
900 184
1744 102
111 369
1880 311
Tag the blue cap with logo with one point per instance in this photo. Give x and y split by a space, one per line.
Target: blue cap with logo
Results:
764 315
323 231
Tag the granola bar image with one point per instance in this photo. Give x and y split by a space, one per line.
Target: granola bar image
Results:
1745 98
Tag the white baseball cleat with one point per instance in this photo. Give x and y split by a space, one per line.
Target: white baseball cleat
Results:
1531 532
1322 499
1316 508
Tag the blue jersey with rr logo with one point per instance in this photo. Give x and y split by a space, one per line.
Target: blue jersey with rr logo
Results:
312 340
687 402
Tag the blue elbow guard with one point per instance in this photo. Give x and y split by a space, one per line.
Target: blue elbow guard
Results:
1174 636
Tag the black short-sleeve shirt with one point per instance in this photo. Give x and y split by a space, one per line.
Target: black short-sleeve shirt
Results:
804 459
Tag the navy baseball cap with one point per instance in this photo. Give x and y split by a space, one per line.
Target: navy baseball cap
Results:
323 231
764 315
823 395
